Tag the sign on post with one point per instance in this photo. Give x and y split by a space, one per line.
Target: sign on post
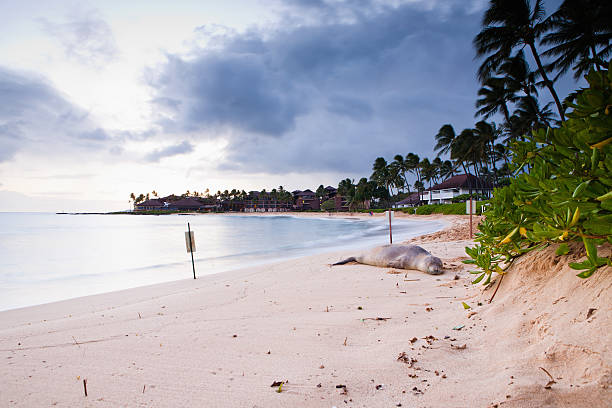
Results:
470 207
190 242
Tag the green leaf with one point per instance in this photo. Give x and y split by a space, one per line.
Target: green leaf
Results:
591 249
605 197
586 273
581 265
580 189
562 250
466 306
478 279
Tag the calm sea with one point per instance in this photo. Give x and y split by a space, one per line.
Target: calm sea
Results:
50 257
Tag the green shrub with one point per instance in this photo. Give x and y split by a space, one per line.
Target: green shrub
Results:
464 197
563 191
456 208
329 206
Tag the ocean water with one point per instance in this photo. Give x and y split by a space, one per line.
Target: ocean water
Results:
50 257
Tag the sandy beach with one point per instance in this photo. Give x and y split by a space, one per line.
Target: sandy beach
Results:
343 336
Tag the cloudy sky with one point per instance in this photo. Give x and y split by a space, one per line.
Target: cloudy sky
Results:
99 99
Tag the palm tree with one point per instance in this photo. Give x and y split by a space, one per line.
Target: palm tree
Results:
419 187
437 165
380 174
579 28
345 187
400 166
495 95
487 134
447 170
531 116
444 139
321 192
507 25
461 148
412 164
429 172
517 73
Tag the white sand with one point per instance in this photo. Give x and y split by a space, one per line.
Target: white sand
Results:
222 340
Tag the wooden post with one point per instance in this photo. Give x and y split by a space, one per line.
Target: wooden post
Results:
191 249
390 229
471 236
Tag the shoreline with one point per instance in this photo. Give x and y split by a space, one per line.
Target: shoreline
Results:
238 260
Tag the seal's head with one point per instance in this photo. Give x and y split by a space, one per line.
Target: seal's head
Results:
433 265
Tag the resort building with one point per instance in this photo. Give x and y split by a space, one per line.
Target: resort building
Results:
182 204
148 205
258 201
306 200
444 192
413 200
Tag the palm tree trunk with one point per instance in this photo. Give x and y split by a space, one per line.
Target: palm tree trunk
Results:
547 81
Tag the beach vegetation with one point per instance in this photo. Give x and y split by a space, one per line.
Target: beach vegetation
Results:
562 191
328 206
447 209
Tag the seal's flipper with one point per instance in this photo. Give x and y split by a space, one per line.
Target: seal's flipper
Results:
347 260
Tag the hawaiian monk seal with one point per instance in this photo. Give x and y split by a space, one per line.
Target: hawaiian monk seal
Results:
399 256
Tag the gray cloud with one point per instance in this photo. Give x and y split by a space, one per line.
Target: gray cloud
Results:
332 95
174 150
34 114
85 37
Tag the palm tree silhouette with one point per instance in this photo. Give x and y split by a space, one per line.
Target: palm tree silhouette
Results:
579 28
508 25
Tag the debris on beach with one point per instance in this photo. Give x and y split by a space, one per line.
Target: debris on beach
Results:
404 358
551 381
343 387
463 347
461 326
430 339
590 312
380 386
466 306
413 340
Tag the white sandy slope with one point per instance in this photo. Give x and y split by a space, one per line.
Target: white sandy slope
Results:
222 340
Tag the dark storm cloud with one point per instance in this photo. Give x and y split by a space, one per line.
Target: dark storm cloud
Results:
32 113
85 37
174 150
234 89
328 96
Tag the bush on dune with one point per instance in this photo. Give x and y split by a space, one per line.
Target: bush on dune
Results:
562 191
